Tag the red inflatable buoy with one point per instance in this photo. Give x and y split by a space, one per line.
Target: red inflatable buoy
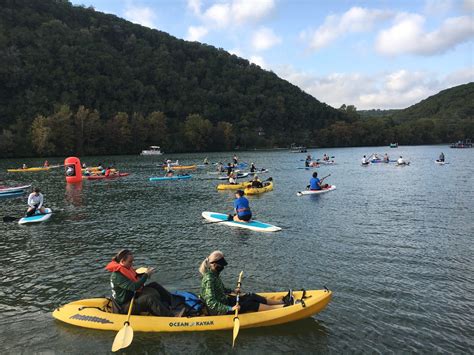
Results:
73 170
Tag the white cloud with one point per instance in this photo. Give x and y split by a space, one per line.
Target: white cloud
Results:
226 13
251 10
407 35
397 89
264 39
468 6
195 6
218 15
438 7
142 15
195 33
255 59
356 19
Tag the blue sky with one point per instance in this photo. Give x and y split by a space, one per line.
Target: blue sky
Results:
371 54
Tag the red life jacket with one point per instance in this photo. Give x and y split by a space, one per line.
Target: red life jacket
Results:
129 273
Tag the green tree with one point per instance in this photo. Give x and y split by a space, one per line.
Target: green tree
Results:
41 136
198 132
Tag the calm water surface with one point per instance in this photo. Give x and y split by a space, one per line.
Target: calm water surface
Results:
393 243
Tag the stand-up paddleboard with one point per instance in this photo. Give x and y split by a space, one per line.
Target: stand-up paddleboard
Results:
441 162
11 194
316 192
13 189
174 177
221 218
239 176
37 217
258 172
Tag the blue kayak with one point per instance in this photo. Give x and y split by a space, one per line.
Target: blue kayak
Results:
11 194
174 177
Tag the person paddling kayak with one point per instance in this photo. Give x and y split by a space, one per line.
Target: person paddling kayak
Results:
241 208
441 157
364 161
220 300
125 282
315 183
35 202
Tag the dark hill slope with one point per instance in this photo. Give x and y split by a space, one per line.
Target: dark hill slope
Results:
54 53
456 102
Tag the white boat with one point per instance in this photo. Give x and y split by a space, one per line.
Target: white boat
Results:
153 150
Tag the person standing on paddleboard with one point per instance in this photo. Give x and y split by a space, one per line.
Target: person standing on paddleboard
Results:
220 300
125 282
315 183
35 202
241 208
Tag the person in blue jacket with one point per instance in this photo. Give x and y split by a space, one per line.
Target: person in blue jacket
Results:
316 184
242 208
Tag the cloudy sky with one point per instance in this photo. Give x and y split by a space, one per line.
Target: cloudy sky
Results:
371 54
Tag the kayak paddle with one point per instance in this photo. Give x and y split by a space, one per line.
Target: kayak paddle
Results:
236 317
125 335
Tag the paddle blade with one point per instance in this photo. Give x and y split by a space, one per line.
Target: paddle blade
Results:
236 330
123 338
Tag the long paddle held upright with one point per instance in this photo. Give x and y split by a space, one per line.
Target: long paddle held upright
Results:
125 335
236 317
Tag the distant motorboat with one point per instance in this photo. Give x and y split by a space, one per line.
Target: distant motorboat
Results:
393 145
153 150
462 144
297 148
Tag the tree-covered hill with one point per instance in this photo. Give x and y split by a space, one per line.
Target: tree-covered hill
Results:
68 67
445 117
452 103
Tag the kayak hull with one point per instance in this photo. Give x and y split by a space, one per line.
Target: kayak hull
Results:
96 313
176 177
258 190
103 177
14 189
11 194
182 167
238 186
239 176
37 217
316 192
254 225
28 170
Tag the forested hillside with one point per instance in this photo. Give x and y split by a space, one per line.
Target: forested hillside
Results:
118 87
77 81
445 117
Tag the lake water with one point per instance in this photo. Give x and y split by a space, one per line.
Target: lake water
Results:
394 244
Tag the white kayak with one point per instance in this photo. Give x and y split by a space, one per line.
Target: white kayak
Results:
441 162
13 189
316 192
239 176
37 217
258 226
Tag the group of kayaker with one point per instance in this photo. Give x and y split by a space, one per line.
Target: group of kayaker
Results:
128 285
100 170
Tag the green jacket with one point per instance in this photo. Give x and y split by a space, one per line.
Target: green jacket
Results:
213 292
123 288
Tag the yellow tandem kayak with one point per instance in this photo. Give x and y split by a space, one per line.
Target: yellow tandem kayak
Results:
27 170
95 313
182 167
238 186
259 190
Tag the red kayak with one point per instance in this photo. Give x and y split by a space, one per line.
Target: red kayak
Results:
102 177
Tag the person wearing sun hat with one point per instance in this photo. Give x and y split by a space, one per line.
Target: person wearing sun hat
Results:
219 299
